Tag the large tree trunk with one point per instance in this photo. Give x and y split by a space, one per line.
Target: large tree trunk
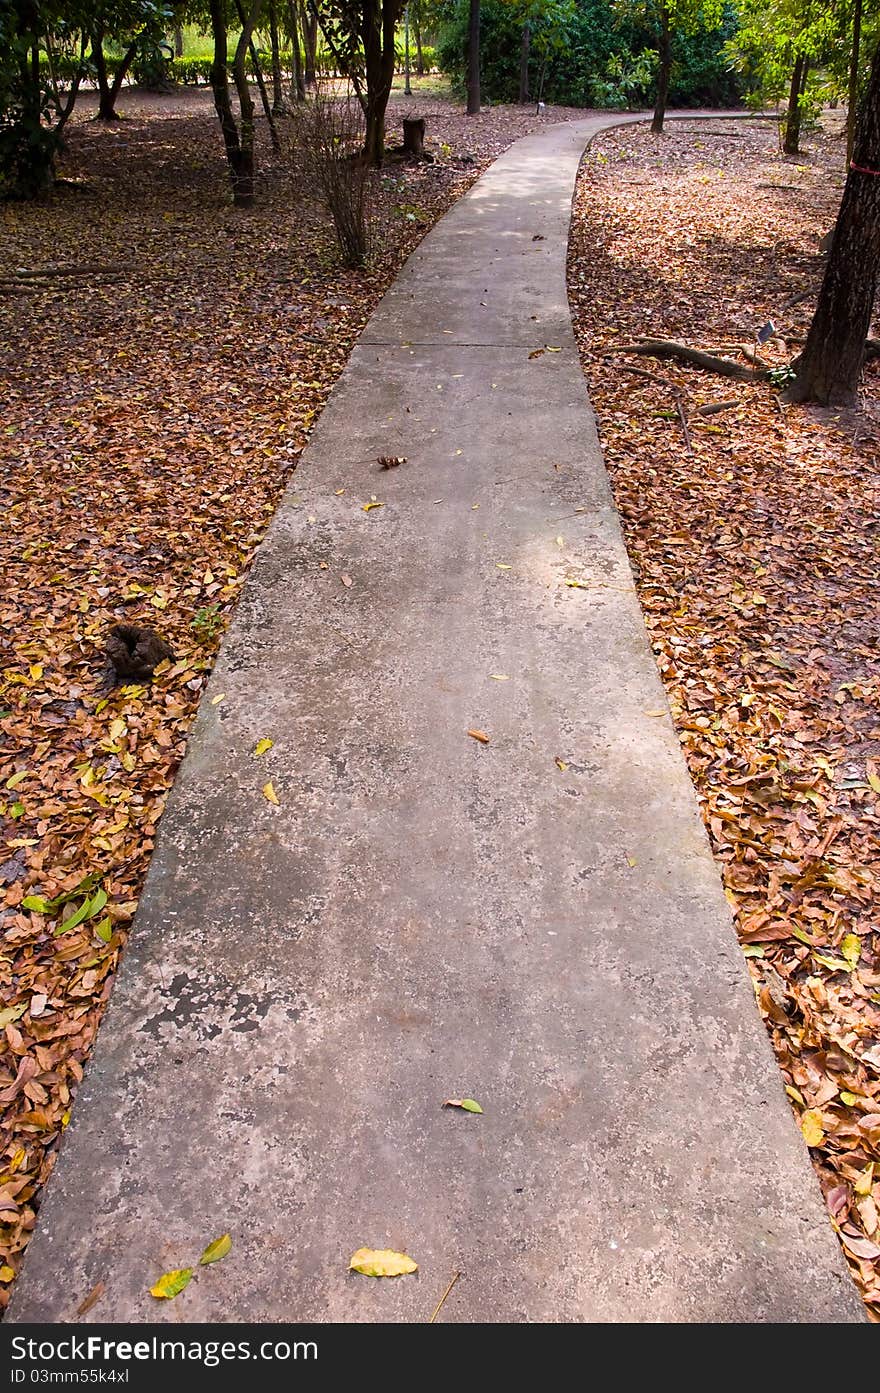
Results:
853 98
108 92
380 22
473 63
524 63
664 52
830 366
791 142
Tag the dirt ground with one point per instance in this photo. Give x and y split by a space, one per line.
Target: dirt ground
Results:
753 535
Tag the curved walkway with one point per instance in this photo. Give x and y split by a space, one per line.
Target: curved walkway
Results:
426 916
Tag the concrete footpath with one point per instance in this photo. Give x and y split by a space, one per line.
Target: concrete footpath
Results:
426 916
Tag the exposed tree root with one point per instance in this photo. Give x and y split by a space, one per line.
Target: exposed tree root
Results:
669 348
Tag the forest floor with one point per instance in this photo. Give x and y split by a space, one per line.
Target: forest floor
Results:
753 536
162 360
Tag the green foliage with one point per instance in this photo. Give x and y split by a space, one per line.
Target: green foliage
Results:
601 54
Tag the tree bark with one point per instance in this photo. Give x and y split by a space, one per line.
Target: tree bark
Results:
310 43
664 51
853 98
791 143
298 84
829 368
473 63
178 41
239 145
279 105
377 34
524 63
417 35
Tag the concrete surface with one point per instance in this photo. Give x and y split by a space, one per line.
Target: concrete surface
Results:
427 917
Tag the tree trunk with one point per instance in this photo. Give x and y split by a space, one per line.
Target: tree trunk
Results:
830 365
792 138
251 47
298 84
664 51
178 41
239 145
377 35
524 63
417 35
310 43
108 92
473 63
853 98
279 105
414 136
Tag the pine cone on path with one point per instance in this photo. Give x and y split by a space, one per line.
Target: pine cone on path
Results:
135 652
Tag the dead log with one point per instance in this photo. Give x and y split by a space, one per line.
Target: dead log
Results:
669 348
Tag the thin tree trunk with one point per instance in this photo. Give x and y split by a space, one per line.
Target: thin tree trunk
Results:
853 98
830 365
792 138
178 41
417 35
298 84
524 63
241 163
310 42
664 50
279 105
473 63
258 72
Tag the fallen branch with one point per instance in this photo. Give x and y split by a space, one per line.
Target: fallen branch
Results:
712 408
669 348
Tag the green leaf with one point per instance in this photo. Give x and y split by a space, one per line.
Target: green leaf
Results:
753 950
802 937
104 930
16 811
38 904
835 964
216 1250
170 1284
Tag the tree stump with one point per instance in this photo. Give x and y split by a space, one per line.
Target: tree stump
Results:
414 136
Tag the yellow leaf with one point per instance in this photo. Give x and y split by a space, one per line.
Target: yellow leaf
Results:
6 1273
215 701
849 1099
262 746
577 585
811 1126
499 676
560 764
171 1283
158 602
866 1180
270 794
874 781
16 779
381 1262
479 735
560 541
655 713
18 1159
502 567
794 1093
36 672
216 1250
368 506
851 948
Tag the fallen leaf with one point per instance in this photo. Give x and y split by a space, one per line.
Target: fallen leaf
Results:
346 579
262 746
851 949
215 701
216 1250
479 735
92 1299
6 1273
656 713
381 1262
812 1127
499 676
171 1284
270 794
560 764
368 506
466 1104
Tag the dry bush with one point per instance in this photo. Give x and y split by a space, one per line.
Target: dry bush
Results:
330 139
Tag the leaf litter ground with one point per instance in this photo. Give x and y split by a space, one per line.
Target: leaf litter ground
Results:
162 360
756 563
